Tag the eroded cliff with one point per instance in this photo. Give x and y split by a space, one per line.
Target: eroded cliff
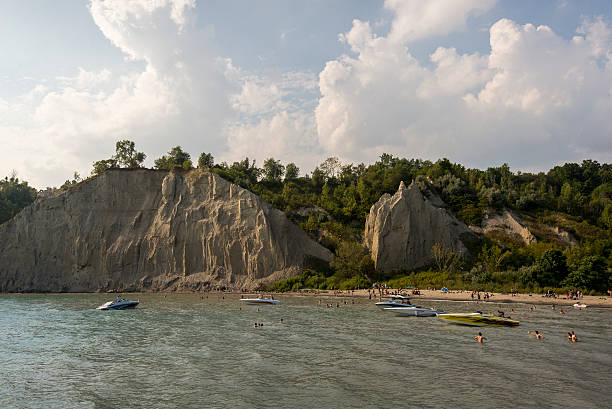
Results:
401 229
151 230
507 224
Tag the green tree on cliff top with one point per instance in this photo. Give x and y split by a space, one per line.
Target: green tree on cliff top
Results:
14 196
125 156
176 158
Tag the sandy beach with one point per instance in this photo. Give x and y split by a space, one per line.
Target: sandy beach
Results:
452 295
534 299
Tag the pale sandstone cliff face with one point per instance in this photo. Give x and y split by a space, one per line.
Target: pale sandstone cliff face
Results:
521 228
564 237
509 224
151 230
402 229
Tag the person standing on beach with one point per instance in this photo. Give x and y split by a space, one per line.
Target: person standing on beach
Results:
479 338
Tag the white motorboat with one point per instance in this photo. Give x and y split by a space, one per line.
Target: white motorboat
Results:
414 311
119 304
262 299
397 301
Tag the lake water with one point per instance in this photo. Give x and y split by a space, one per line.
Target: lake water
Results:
57 351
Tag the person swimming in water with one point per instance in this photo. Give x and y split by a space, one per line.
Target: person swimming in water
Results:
574 338
479 338
537 335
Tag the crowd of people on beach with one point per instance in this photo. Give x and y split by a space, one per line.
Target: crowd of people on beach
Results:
574 295
485 296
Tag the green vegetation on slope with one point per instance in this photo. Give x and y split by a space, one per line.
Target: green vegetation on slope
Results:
14 196
333 202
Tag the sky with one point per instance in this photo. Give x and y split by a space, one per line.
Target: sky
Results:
480 82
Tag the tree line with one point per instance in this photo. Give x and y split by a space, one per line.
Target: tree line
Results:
577 195
347 191
14 196
332 202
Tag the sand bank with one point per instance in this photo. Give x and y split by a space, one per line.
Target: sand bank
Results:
539 299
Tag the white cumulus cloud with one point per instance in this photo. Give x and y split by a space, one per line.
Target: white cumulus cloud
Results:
416 19
536 99
275 119
180 97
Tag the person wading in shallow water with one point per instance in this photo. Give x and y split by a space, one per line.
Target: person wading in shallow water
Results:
479 338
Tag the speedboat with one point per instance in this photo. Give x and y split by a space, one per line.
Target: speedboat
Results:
478 319
397 301
580 305
118 305
262 299
414 311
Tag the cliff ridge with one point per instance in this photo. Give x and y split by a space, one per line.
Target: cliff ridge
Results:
401 230
139 230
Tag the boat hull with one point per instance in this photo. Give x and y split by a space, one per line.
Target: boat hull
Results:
258 301
123 305
478 320
390 304
414 312
401 301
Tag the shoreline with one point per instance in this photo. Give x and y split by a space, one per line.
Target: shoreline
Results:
433 295
466 296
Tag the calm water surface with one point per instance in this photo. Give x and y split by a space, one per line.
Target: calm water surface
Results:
57 351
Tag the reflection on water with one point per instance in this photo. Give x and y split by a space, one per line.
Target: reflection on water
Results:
57 351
